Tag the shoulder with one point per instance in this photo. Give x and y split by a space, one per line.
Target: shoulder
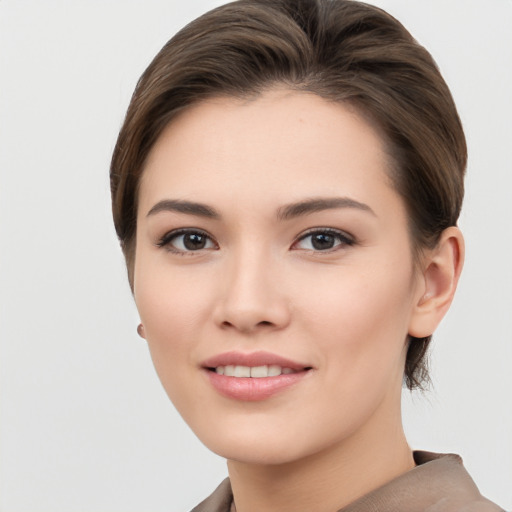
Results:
455 490
438 483
473 505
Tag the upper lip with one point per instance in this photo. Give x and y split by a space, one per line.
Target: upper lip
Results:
252 359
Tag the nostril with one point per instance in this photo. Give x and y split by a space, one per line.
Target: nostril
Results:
226 324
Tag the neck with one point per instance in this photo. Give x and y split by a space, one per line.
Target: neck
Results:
325 481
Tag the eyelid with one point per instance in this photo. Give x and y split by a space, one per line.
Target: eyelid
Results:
345 238
165 241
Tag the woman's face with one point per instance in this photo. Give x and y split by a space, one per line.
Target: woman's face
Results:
271 243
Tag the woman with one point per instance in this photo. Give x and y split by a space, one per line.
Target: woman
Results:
286 188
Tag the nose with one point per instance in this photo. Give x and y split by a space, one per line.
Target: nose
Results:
253 298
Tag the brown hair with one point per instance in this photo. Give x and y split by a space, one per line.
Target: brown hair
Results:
341 50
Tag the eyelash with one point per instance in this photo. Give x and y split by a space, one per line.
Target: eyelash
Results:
344 239
165 242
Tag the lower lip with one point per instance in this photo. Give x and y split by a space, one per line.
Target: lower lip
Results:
252 389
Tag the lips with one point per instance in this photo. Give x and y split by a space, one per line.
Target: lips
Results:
256 372
253 359
253 377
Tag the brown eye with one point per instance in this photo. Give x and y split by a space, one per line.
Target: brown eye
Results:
323 240
183 241
194 241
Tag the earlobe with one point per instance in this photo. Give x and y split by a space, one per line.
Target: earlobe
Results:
440 277
140 331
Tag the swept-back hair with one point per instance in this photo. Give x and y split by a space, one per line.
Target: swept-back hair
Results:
341 50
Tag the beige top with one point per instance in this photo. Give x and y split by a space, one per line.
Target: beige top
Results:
439 483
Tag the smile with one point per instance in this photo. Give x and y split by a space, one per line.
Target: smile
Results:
256 372
253 377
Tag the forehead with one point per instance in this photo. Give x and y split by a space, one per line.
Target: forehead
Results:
278 146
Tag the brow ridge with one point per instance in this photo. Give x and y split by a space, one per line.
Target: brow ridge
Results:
317 204
181 206
287 212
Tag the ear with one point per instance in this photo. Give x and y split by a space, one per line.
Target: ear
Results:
441 270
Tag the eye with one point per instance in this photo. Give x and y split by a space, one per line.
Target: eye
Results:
187 240
323 240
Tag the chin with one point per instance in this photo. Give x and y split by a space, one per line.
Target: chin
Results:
264 446
258 453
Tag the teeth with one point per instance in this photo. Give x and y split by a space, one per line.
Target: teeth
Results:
274 371
242 371
253 371
259 371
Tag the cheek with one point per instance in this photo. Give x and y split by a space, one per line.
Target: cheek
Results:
172 308
170 318
360 328
167 297
360 320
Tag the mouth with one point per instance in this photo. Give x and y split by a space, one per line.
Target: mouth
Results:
253 377
255 372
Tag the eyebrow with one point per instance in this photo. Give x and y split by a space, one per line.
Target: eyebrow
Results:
188 207
318 204
290 211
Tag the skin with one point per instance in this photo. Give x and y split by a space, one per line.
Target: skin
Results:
259 284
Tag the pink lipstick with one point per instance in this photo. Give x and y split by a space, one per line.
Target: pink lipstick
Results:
253 377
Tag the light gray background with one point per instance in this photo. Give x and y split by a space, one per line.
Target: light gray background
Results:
85 425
